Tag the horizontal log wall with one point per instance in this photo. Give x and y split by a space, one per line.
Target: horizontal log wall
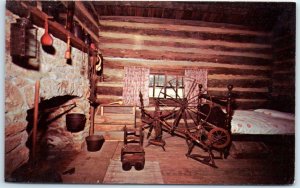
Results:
283 69
232 54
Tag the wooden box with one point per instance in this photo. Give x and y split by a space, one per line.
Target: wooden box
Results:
23 40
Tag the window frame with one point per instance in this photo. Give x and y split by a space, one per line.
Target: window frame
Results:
166 75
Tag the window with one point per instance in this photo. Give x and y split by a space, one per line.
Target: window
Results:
165 86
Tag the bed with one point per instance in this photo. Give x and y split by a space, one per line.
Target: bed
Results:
262 122
247 122
250 128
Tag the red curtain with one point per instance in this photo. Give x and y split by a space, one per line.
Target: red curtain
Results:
193 78
136 79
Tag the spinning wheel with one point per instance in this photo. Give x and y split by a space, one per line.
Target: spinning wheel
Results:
183 109
182 101
177 109
218 138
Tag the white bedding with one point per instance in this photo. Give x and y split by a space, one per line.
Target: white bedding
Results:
256 122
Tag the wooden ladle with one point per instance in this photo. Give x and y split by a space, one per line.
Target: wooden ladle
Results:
46 39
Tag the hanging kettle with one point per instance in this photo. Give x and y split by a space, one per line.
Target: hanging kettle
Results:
46 39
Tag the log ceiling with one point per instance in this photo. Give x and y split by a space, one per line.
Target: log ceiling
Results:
259 15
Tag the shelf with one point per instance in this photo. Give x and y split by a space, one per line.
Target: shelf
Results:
38 18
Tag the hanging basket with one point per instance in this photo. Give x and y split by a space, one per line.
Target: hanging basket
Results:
75 122
94 142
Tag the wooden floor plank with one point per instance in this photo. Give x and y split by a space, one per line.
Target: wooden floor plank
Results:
175 168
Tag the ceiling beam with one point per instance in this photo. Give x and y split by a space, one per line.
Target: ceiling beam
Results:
83 20
80 6
38 18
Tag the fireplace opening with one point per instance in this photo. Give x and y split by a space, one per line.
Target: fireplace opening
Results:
54 143
50 111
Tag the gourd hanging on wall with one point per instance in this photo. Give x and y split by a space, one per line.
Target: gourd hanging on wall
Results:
68 51
46 39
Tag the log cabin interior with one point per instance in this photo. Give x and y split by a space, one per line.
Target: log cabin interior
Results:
150 92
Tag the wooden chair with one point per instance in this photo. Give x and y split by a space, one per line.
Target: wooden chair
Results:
132 153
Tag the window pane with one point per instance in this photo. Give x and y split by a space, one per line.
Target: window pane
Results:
171 80
151 80
157 92
170 93
180 82
156 79
160 80
171 77
150 92
180 92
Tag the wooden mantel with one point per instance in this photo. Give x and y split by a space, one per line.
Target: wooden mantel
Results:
38 18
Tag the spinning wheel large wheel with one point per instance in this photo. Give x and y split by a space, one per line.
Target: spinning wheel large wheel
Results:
184 109
181 96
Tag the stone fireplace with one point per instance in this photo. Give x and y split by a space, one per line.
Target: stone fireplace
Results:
66 82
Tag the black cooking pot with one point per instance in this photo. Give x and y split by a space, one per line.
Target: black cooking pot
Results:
75 122
94 142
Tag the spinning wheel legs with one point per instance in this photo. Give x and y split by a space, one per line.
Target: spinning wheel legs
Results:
155 142
149 132
208 160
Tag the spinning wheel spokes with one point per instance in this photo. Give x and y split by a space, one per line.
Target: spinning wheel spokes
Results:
176 94
199 114
191 88
187 102
191 116
169 97
169 92
195 111
186 112
193 99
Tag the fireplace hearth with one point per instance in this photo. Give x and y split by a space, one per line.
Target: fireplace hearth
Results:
61 86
